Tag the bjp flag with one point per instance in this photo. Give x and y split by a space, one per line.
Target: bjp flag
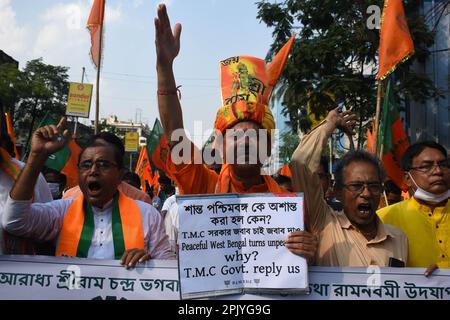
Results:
70 169
396 44
143 169
94 24
393 139
65 160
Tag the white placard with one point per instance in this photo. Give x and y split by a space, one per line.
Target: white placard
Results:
235 243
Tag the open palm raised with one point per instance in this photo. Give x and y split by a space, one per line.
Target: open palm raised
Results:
167 42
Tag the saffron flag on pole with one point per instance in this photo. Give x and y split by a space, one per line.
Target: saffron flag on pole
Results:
160 154
370 140
396 44
144 170
392 138
155 184
94 24
11 133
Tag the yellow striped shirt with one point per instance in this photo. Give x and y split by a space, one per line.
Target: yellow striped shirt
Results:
428 231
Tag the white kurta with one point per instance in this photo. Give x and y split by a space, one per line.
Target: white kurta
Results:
43 221
41 192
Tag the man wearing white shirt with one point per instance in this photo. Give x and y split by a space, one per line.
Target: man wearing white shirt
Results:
10 244
102 223
169 213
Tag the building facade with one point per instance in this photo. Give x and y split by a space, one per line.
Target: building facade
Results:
431 120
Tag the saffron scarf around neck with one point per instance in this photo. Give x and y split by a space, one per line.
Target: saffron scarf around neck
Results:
78 227
224 182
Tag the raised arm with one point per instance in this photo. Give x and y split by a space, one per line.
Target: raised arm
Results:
167 49
46 141
305 162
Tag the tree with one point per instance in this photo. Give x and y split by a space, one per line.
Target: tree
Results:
290 143
30 93
335 52
47 89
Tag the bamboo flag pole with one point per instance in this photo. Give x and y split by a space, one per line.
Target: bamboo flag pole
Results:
97 93
377 118
76 118
97 89
379 151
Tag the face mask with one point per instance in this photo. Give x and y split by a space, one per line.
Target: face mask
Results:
54 189
428 196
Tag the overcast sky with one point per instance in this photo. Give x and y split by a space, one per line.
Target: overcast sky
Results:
212 31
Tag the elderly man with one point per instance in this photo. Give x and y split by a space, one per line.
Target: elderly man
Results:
425 217
101 223
249 114
354 237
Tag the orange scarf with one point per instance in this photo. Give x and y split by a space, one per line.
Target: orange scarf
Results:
224 182
74 226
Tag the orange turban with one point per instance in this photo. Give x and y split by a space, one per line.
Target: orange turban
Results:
247 84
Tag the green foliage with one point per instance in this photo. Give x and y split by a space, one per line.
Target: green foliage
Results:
335 52
30 93
290 142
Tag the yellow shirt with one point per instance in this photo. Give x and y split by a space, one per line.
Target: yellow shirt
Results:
428 232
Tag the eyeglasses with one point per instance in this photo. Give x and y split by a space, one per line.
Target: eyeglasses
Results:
102 165
358 187
427 168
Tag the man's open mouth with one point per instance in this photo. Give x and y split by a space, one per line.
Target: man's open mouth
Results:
94 187
365 209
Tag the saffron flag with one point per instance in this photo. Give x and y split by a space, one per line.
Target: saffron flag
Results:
64 161
159 155
396 44
393 139
144 170
155 184
94 24
11 133
285 171
370 140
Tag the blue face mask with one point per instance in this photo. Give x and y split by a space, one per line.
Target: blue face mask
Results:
426 196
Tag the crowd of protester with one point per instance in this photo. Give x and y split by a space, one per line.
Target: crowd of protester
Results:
355 215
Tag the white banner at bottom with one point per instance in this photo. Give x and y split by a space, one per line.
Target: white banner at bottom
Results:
41 278
56 278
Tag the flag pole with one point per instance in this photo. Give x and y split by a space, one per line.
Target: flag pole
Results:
97 93
76 118
377 118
